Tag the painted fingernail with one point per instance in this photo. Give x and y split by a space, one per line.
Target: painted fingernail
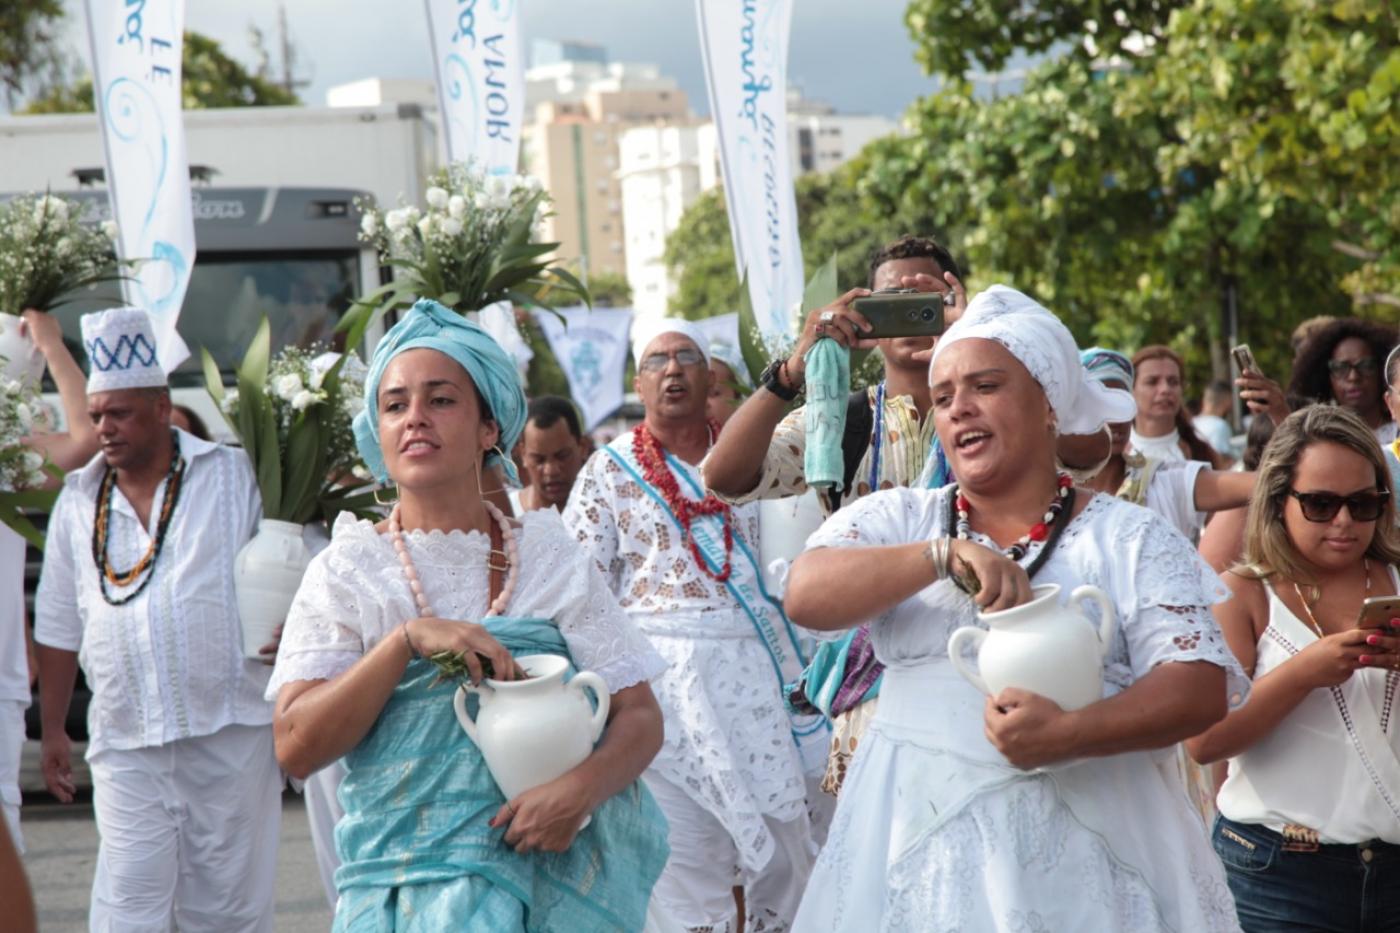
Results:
1395 623
1373 639
1365 659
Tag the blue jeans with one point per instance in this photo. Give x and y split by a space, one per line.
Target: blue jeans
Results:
1338 888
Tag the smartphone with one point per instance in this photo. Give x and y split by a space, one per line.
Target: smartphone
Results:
903 313
1244 359
1377 612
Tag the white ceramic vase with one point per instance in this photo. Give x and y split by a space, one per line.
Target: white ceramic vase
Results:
266 574
22 360
1042 646
533 731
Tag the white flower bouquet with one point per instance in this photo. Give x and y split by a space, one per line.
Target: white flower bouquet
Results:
22 469
47 253
471 244
293 414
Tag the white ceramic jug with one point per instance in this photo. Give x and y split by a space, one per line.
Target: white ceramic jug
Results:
783 528
21 361
1041 646
533 731
266 574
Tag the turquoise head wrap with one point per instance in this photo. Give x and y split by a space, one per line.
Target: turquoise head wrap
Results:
1107 365
429 325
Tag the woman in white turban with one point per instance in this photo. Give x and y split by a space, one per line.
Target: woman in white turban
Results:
968 812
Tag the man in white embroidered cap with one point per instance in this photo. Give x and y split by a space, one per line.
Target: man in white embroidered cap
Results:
137 587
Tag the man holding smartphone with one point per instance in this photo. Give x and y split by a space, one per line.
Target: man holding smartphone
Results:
889 440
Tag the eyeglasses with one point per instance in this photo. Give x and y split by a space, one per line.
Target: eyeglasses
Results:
658 361
1344 368
1324 506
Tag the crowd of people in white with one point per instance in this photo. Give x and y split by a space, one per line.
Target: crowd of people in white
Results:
806 760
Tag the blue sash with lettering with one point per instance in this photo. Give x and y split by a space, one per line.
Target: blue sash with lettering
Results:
774 629
417 853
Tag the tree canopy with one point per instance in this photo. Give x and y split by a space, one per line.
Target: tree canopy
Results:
1161 162
210 79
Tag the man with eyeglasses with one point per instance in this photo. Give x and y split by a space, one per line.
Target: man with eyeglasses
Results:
684 566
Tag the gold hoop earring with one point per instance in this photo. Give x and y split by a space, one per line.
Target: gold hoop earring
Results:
392 499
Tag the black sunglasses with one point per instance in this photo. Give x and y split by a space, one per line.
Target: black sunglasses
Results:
1344 368
1324 506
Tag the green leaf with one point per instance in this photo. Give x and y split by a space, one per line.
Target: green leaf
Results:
821 289
255 361
569 279
750 338
305 467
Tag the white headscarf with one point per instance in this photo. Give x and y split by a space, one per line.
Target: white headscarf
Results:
1046 348
644 333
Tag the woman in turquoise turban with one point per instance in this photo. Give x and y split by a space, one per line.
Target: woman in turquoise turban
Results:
428 841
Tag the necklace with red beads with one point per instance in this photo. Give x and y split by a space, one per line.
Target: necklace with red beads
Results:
1040 531
652 459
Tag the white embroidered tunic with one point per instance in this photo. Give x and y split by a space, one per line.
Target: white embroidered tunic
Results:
728 740
169 664
354 594
935 830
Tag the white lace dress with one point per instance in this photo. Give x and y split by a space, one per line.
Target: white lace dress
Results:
354 594
728 741
934 830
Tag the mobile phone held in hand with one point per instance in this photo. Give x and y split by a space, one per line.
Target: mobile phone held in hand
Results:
1377 612
903 313
1244 359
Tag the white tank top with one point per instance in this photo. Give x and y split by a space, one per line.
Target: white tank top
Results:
1330 765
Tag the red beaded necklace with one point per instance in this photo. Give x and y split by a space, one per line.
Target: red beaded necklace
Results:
652 458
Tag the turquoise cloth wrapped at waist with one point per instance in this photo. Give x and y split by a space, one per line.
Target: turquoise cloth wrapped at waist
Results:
416 849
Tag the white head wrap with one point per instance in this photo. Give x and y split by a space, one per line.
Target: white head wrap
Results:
1046 348
121 350
645 332
730 356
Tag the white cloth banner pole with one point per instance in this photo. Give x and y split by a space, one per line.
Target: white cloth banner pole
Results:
744 46
592 349
136 48
480 69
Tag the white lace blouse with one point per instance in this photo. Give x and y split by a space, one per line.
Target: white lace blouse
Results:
354 594
1162 589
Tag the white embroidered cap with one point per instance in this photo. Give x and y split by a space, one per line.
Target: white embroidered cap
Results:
121 350
645 332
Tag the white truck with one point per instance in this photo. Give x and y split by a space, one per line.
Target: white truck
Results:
275 234
275 221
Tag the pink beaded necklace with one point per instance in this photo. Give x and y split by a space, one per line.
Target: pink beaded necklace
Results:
511 555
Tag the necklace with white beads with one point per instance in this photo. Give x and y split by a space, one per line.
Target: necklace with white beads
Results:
509 554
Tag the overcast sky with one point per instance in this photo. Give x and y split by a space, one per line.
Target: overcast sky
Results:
857 57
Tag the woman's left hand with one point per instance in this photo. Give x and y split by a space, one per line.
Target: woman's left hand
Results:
1028 729
544 818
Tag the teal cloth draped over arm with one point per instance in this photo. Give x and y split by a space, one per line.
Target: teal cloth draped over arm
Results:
415 847
828 377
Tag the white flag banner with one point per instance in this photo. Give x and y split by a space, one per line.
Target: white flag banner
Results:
480 68
136 47
722 328
592 349
744 46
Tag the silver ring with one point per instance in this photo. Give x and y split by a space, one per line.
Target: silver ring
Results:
828 317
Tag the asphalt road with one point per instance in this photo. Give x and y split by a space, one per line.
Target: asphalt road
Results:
61 851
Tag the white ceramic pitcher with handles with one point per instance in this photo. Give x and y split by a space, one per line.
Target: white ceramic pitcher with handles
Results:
533 731
1041 646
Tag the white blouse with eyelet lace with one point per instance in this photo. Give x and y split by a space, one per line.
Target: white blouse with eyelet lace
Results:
354 594
728 743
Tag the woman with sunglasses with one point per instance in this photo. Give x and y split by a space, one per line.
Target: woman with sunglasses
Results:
1341 362
1392 402
1309 825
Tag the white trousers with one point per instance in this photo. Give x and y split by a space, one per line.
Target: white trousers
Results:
323 811
188 834
696 886
11 745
